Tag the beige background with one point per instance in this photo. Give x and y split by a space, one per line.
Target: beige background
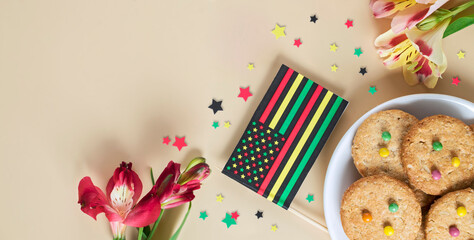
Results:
87 84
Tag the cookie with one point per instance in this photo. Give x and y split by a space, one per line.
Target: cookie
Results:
384 129
451 216
380 207
472 127
438 155
379 132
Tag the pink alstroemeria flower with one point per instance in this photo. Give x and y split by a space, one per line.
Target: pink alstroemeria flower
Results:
406 13
190 180
419 52
119 204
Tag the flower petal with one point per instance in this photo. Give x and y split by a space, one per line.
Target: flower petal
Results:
145 212
400 55
148 208
198 172
428 43
386 8
413 15
93 201
124 175
389 39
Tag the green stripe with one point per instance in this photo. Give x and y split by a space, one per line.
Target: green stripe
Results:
310 151
295 107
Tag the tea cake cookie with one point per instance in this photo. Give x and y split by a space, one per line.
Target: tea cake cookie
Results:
380 207
377 143
438 155
451 216
376 148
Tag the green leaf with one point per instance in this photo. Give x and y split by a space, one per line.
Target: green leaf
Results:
459 24
176 234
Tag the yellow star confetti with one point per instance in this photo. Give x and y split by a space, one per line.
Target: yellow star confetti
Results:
219 198
274 228
227 124
333 47
279 31
250 66
461 54
334 68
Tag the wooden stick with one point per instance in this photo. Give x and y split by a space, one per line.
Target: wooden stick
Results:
309 220
306 218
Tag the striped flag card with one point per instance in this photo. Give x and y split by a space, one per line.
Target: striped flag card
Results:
284 136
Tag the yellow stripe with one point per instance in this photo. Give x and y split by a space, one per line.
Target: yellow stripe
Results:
286 101
300 145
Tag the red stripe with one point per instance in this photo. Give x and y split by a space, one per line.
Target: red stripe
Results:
275 96
290 140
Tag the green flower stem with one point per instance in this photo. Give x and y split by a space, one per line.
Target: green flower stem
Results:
152 178
460 8
155 225
140 233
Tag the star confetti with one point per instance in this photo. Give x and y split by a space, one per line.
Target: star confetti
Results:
227 124
203 215
166 140
216 106
357 52
310 198
215 124
279 31
259 214
274 228
363 71
461 54
349 23
333 47
235 215
229 221
372 90
455 81
179 143
219 198
250 66
245 93
297 42
334 68
313 19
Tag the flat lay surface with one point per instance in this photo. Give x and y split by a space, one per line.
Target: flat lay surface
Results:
85 85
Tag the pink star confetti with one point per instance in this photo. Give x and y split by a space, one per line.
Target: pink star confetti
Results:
235 215
297 42
166 140
349 23
455 81
245 93
179 143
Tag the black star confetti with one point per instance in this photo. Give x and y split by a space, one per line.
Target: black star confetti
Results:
259 214
216 106
363 71
314 18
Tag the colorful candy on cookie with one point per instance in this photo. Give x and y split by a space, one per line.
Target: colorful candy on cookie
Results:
376 147
438 155
380 207
451 216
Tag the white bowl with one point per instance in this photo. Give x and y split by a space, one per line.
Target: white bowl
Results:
341 172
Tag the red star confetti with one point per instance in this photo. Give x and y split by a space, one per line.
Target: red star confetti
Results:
235 215
179 143
349 23
297 42
455 81
245 93
166 140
